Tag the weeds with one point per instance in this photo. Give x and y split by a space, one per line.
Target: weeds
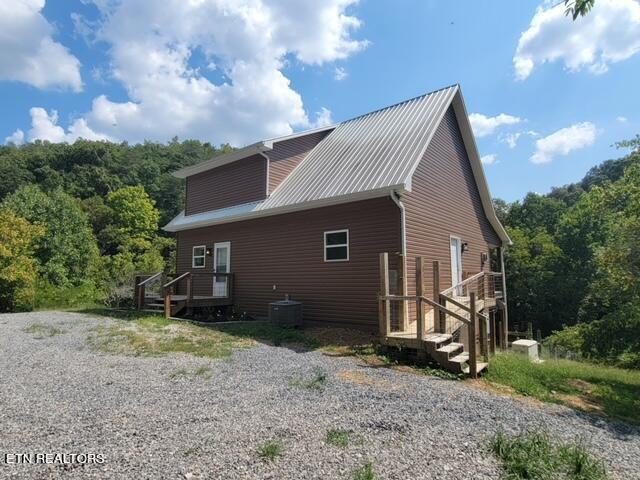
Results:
270 451
364 472
318 381
338 437
201 372
535 456
40 330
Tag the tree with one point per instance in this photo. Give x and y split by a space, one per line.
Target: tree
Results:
18 266
67 252
132 222
578 8
536 212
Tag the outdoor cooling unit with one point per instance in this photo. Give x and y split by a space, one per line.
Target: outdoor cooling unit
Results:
286 312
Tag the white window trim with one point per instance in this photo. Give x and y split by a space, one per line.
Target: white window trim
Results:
344 230
194 256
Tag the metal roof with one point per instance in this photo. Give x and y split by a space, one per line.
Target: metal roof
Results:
365 157
377 150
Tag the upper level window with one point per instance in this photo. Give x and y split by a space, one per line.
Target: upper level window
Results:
199 255
336 246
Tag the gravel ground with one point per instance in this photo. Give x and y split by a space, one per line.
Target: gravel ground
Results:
57 395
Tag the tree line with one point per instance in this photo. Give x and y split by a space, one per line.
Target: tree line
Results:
574 267
78 221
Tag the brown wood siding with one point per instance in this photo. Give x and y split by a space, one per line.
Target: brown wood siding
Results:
288 251
445 202
239 182
286 156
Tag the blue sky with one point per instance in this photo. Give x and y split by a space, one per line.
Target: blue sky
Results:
549 96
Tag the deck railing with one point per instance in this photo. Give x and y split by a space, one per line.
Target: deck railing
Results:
458 306
183 287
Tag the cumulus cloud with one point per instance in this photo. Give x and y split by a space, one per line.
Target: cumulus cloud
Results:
564 141
323 118
44 126
340 74
483 125
17 137
28 52
246 42
622 119
610 33
489 159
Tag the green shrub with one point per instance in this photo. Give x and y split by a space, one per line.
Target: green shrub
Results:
51 296
270 450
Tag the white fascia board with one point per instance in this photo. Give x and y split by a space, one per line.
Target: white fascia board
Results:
476 167
250 211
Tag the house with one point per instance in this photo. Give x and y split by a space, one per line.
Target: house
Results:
309 214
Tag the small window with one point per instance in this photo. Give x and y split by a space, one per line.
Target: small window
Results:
336 246
199 255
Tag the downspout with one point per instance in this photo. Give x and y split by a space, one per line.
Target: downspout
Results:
267 193
396 197
505 327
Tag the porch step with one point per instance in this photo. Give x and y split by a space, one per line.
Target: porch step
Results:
479 367
460 358
437 338
450 348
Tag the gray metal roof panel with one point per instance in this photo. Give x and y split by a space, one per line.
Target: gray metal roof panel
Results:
370 152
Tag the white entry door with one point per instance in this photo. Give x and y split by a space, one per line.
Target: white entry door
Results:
456 261
221 264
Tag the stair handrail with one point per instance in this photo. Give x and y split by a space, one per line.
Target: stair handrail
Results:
463 306
177 279
149 279
463 283
428 301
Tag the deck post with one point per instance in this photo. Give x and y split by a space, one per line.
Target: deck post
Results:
139 292
473 359
438 315
384 311
167 305
189 292
402 290
419 302
492 337
505 310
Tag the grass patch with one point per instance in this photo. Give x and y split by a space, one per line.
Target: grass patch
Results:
270 451
317 382
41 330
201 372
364 472
273 334
611 391
338 437
535 456
191 451
156 336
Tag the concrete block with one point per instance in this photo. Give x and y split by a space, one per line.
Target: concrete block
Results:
526 347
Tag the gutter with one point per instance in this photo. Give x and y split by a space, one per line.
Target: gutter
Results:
396 197
266 157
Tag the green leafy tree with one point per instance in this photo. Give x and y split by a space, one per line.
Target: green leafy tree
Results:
67 252
535 212
578 8
18 266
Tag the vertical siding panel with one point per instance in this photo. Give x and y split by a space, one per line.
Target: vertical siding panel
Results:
445 202
288 251
287 154
239 182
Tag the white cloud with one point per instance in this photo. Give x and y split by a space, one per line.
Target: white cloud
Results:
151 43
44 126
28 52
622 119
17 137
564 141
511 139
483 125
340 74
323 118
610 33
489 159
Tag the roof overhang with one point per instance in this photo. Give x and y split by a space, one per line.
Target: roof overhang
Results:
249 211
239 154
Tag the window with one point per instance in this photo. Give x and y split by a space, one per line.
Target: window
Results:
199 255
336 246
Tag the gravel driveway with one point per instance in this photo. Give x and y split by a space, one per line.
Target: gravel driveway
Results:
180 416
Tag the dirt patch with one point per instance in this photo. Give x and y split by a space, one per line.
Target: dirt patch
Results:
580 402
360 378
347 337
503 391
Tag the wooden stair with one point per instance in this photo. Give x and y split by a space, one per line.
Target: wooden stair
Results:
156 305
450 355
